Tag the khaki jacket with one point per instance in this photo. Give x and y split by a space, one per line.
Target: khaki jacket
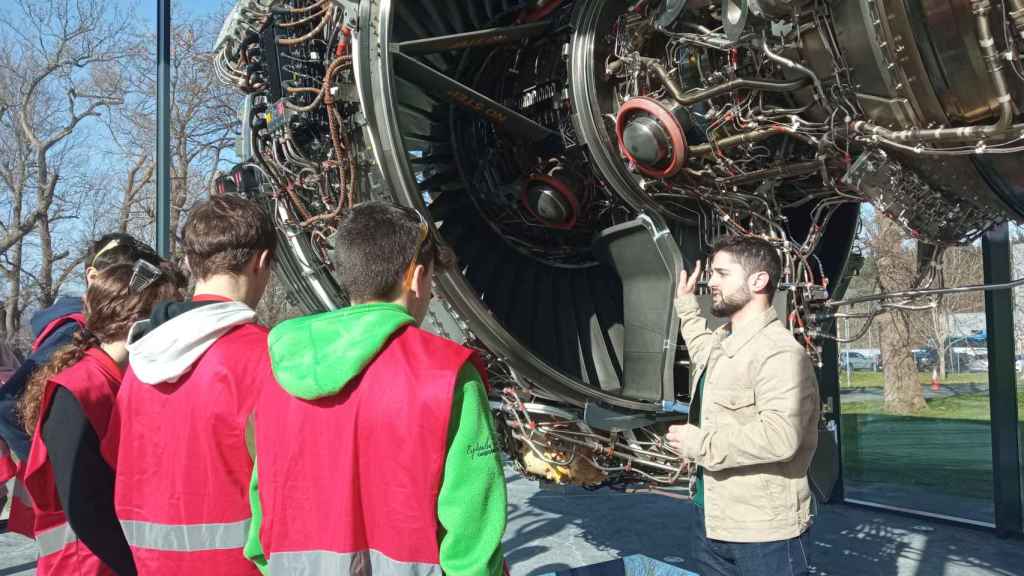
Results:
758 426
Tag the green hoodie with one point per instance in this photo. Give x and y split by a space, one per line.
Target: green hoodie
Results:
315 356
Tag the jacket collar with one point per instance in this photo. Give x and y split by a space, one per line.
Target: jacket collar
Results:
106 363
745 332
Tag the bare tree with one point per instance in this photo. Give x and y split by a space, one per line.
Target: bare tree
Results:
1018 293
897 270
202 125
58 69
958 266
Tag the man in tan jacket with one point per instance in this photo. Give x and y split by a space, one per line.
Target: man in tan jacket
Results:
753 418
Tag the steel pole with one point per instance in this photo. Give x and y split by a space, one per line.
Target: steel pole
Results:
163 133
1002 382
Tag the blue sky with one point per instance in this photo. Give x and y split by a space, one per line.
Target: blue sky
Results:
147 8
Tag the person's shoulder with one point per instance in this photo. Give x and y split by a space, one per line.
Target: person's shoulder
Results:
250 331
436 340
777 338
63 306
442 350
245 356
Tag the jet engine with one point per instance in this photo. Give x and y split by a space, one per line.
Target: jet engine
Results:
575 154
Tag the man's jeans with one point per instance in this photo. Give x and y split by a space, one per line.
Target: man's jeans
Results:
718 558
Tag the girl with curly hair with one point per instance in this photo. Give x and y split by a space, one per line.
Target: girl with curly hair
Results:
67 407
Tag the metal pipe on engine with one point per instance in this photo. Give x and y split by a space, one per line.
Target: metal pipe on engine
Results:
783 171
702 150
693 97
1003 125
778 58
1017 16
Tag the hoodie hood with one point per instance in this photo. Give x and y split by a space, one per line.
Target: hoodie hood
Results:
64 306
316 356
162 353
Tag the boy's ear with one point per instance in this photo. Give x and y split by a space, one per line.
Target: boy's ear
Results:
264 260
420 281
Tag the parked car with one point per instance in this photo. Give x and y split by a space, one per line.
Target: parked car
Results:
979 364
926 358
964 359
856 361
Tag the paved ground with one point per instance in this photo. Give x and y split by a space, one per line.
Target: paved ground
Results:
556 529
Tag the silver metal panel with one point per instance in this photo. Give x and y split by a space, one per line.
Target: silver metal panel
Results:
893 113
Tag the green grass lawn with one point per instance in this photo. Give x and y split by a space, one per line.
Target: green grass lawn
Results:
939 458
933 453
965 407
865 379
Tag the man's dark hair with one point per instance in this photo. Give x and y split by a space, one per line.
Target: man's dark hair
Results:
118 248
754 255
376 243
223 233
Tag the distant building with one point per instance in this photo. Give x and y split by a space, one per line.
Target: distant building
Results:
965 324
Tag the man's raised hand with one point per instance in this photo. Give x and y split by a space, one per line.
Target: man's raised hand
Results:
688 282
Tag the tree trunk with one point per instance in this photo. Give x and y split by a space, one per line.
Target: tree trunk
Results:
12 323
47 293
941 363
136 183
940 325
903 393
179 185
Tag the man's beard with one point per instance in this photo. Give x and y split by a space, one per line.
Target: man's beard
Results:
726 306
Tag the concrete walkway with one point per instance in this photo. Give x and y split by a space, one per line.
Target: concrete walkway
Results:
552 530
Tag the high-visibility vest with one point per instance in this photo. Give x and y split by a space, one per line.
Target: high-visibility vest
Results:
8 467
93 381
21 519
182 465
348 484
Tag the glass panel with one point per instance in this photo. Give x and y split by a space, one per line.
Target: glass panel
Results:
915 427
1017 243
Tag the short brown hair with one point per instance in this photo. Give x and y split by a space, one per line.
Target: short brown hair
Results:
754 255
375 245
223 233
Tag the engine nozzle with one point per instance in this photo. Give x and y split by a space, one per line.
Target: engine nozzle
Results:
550 200
651 137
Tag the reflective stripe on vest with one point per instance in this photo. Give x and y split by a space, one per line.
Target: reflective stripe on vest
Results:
185 537
363 563
55 539
21 493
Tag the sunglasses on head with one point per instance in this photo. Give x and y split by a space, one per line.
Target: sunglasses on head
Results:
137 250
424 232
144 273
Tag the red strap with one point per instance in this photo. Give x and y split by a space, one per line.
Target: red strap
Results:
52 327
210 298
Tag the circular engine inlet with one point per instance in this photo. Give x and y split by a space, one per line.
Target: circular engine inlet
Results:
551 201
651 137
